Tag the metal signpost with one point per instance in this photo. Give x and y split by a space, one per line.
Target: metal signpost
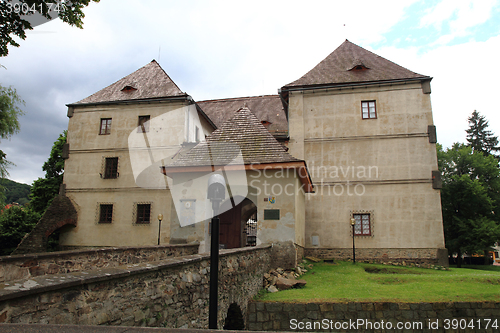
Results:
216 193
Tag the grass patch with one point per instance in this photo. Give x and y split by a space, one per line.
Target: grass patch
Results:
374 282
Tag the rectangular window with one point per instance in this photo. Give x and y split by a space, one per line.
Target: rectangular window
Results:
106 213
143 213
197 134
111 167
368 110
362 227
105 126
143 124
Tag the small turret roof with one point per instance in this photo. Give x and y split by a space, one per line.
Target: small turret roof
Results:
350 63
148 82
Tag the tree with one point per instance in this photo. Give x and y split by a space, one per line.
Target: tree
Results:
9 123
479 137
15 192
470 198
14 20
15 223
45 189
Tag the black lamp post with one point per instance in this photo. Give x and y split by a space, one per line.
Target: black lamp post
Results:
353 223
160 217
216 193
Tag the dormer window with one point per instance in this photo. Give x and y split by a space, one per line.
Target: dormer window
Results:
266 123
129 89
358 65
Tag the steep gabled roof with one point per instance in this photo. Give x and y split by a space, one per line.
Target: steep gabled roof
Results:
148 82
243 132
266 108
350 63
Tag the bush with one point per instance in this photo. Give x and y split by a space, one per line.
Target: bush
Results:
15 223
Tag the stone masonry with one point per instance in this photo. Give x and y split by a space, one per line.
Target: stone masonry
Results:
25 266
375 317
171 293
422 257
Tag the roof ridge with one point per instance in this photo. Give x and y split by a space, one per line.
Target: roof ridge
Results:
236 98
175 84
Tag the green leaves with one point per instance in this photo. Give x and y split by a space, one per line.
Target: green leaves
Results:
15 223
55 164
9 111
478 137
9 123
12 23
470 198
45 189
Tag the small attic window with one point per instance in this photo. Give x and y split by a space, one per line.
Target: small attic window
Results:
359 68
358 65
129 89
266 123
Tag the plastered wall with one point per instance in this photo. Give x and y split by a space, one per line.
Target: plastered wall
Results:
378 166
139 178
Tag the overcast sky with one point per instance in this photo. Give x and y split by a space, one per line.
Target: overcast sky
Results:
219 49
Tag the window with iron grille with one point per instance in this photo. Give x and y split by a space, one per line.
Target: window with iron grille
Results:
111 167
362 227
105 126
106 213
143 124
143 213
368 110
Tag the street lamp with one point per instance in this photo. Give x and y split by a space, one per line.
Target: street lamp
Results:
353 223
160 217
216 192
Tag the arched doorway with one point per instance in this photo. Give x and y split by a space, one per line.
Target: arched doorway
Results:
233 223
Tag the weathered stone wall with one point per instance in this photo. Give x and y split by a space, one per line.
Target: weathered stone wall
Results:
171 293
284 255
424 257
300 252
26 266
375 317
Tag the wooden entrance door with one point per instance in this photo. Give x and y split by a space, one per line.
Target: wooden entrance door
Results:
230 228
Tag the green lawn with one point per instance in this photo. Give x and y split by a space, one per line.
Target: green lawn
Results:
344 281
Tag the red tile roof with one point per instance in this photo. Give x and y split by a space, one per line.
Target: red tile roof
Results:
340 67
266 108
148 82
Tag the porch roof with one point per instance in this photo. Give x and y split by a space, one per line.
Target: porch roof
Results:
240 143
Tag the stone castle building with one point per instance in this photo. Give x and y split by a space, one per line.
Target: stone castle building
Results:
352 139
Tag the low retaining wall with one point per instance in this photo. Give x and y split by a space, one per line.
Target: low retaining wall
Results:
23 266
173 292
423 257
375 316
